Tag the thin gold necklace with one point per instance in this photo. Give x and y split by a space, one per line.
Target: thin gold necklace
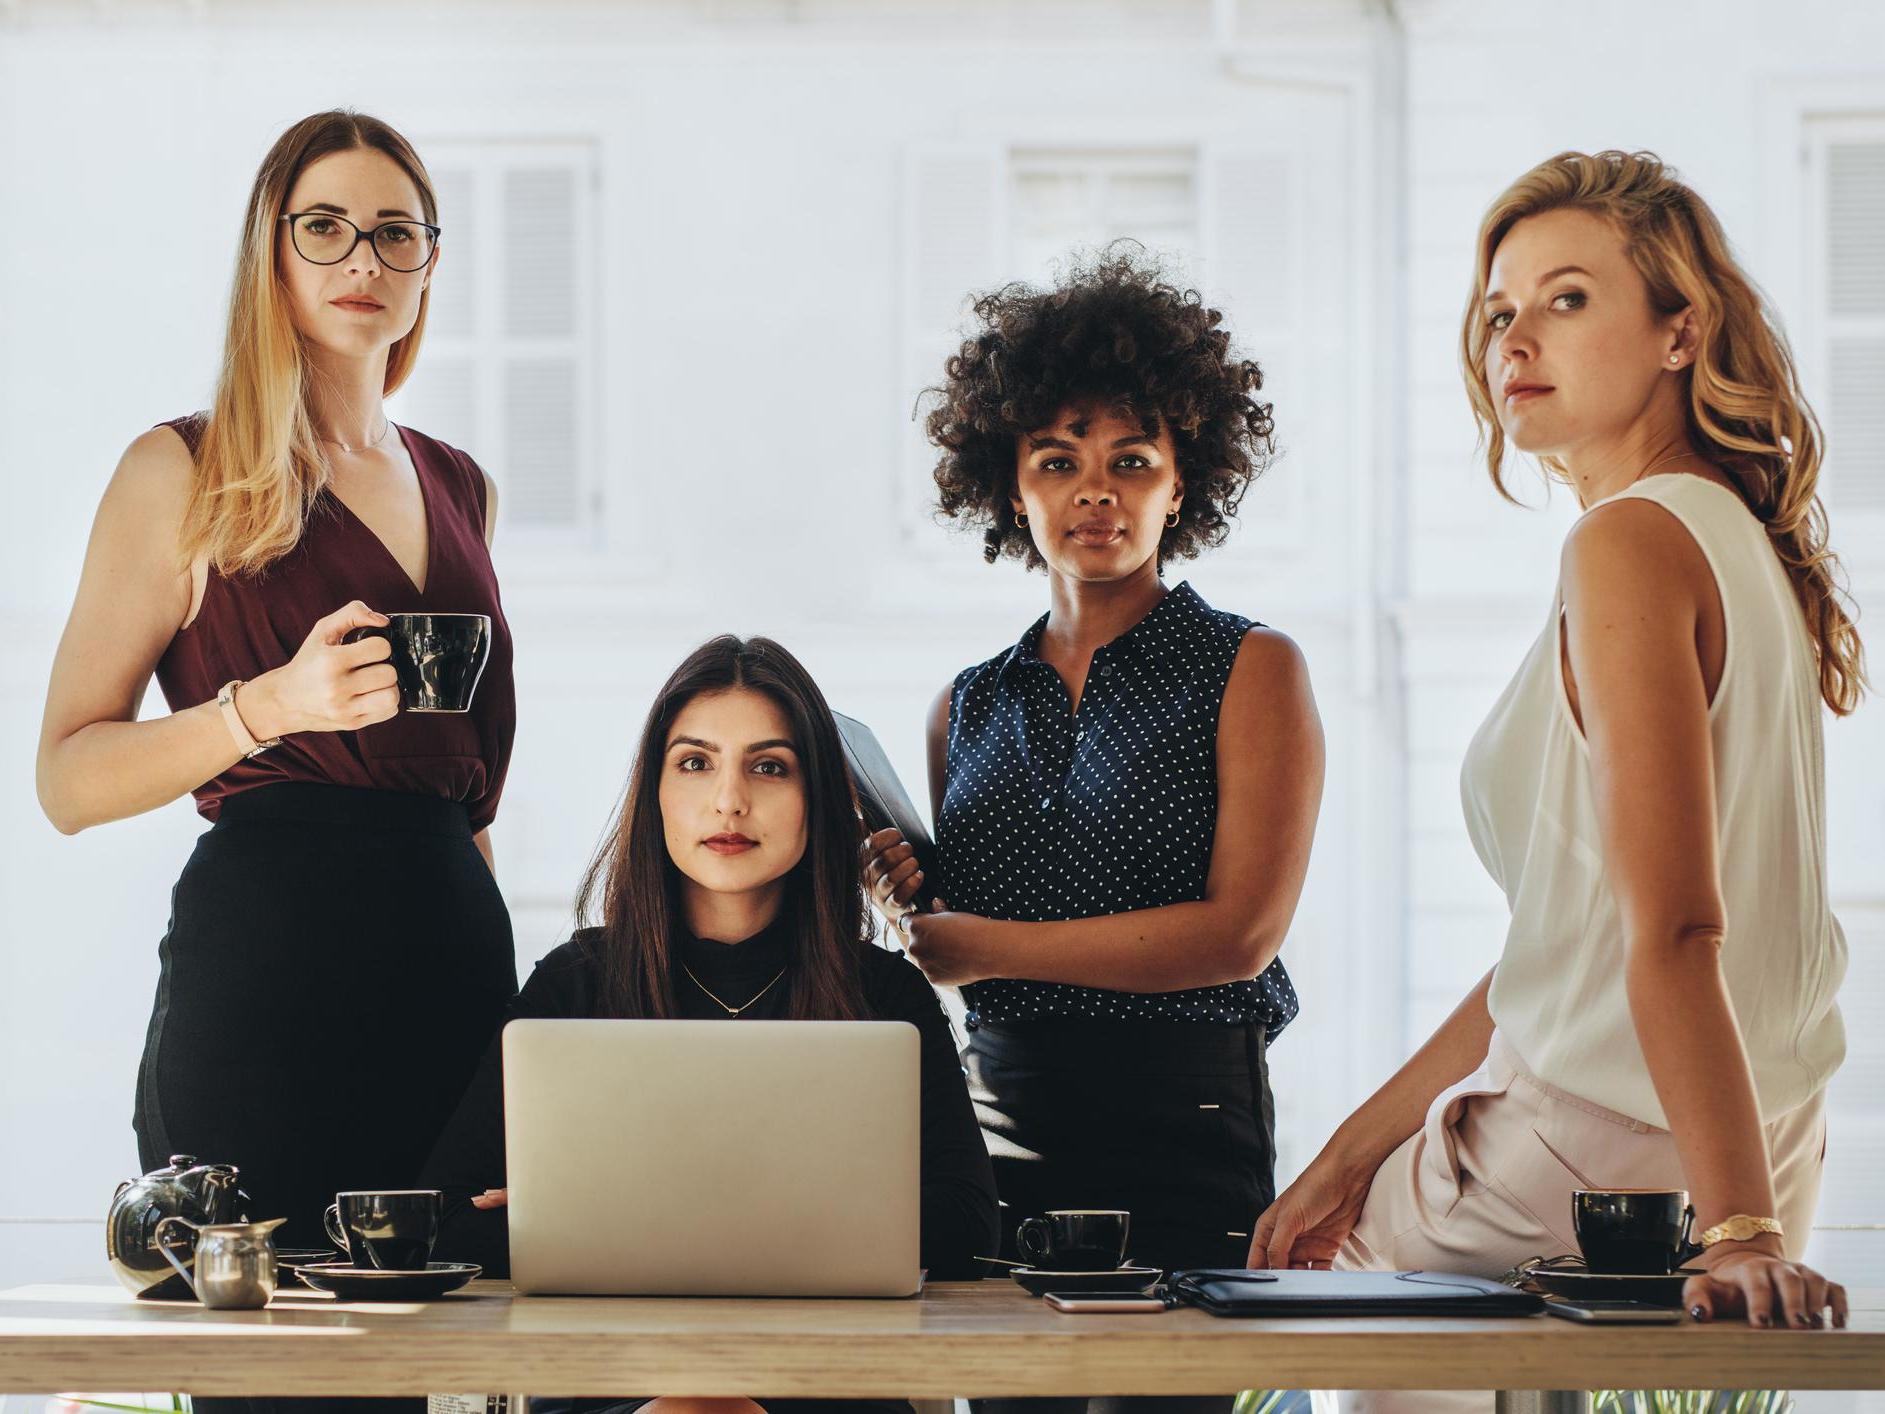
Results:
364 446
733 1010
1644 473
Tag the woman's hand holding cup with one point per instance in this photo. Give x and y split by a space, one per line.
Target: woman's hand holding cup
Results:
330 685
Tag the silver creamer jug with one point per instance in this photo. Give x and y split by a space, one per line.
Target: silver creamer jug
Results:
235 1262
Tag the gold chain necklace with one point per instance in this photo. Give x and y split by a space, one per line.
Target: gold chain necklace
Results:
733 1010
1673 456
364 446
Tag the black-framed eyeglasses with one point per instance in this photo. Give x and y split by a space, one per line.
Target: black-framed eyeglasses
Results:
322 238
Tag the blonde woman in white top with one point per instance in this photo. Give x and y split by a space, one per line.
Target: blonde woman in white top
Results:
1647 791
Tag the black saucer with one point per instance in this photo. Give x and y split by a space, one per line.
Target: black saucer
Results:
1125 1279
289 1258
1580 1284
353 1283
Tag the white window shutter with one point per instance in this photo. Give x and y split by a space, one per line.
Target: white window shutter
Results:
540 250
1250 250
954 234
542 448
1855 318
1253 270
1855 227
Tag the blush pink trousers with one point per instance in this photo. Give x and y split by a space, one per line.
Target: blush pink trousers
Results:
1486 1184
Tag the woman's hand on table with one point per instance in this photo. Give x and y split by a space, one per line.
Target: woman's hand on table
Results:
1311 1219
492 1198
330 685
1755 1279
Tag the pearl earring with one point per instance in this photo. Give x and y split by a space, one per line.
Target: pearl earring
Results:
1675 358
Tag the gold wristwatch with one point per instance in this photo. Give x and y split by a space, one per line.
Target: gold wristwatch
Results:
245 740
1740 1228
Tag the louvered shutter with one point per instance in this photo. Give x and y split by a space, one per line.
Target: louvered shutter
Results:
1252 270
1854 314
510 344
954 234
544 197
441 396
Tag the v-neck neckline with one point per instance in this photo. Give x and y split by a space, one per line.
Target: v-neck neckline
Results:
425 501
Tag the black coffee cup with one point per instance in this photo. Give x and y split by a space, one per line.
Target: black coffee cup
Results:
391 1231
438 657
1075 1240
1633 1230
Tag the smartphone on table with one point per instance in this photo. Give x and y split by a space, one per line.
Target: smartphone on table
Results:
1083 1304
1613 1313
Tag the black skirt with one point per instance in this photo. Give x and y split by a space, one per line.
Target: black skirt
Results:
336 963
1170 1120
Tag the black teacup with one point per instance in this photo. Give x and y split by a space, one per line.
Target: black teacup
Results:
438 657
389 1231
1633 1230
1075 1240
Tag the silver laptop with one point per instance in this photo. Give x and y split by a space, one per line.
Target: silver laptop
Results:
713 1158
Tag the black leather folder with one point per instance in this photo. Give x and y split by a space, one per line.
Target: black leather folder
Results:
1228 1292
885 804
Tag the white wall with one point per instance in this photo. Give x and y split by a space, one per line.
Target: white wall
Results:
752 160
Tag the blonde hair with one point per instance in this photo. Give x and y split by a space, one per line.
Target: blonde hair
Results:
1746 412
260 464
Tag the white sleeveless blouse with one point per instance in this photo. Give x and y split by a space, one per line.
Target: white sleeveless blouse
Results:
1558 995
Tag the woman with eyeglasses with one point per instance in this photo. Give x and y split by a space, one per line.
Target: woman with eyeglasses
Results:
338 950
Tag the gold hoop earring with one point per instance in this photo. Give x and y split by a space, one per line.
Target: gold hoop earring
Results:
1021 520
1171 520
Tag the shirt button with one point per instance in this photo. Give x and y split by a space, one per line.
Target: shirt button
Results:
1106 670
1080 735
1047 802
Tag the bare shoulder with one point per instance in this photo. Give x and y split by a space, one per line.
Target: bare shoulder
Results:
1633 550
1269 666
153 478
490 505
938 714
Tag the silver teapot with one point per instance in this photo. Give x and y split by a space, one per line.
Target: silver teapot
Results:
204 1194
234 1262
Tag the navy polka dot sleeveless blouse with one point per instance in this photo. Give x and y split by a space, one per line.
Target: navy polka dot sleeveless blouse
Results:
1050 814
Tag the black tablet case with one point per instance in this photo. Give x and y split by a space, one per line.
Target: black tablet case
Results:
1228 1292
885 803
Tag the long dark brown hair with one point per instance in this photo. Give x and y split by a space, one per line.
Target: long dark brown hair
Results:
630 896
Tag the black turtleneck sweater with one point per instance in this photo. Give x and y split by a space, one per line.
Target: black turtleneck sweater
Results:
958 1186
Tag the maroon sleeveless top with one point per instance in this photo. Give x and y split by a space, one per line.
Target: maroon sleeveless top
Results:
248 624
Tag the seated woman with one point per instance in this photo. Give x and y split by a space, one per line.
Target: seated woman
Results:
729 889
1648 791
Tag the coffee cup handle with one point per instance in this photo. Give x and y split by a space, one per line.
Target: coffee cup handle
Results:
1024 1239
331 1221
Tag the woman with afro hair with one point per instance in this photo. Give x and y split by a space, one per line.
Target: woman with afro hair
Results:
1125 797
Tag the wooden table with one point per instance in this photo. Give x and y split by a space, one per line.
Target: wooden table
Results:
973 1339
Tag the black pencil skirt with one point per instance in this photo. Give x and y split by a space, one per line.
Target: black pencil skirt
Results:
1171 1121
337 961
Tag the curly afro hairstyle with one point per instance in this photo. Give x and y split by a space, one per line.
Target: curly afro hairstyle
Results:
1112 332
